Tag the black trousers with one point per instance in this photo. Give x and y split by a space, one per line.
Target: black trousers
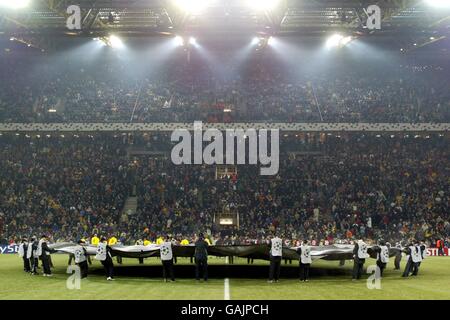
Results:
26 264
83 269
275 268
34 264
201 264
408 268
358 267
415 268
304 271
168 269
382 266
46 264
109 267
440 252
397 260
141 260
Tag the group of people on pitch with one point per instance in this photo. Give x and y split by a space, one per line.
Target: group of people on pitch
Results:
33 251
415 252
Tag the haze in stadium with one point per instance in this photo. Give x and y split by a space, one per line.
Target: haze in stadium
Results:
224 150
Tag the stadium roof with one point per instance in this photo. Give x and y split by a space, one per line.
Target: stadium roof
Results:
42 20
147 17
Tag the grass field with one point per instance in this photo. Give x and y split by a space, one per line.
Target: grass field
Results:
432 283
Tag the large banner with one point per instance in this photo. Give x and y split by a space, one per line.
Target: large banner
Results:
14 248
434 251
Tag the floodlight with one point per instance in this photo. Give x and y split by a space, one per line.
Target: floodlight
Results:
192 41
179 41
255 41
438 3
14 4
192 6
270 41
345 40
334 40
263 5
115 42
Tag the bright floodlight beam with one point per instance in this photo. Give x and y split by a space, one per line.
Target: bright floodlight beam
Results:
192 6
255 41
263 5
193 41
14 4
345 41
438 3
270 41
334 40
179 41
115 42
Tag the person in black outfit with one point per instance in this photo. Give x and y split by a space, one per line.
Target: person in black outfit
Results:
31 253
380 250
409 263
359 258
398 256
23 249
45 255
201 257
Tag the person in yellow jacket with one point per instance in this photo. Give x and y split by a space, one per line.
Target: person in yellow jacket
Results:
112 241
95 240
160 240
184 242
208 241
147 242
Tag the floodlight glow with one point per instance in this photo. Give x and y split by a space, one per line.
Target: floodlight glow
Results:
270 41
179 41
264 5
192 6
334 40
438 3
338 41
345 41
255 41
115 42
14 4
192 41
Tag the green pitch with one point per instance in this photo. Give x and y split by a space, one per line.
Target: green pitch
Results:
433 282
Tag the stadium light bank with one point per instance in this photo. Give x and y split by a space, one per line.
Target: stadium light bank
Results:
235 147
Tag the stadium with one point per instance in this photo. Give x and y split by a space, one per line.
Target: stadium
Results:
224 150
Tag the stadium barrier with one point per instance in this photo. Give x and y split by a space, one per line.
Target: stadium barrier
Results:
298 127
434 251
13 248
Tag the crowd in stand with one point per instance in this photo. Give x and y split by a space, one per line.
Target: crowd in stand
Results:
330 188
46 91
65 187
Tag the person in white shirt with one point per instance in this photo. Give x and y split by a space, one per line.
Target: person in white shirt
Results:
23 248
166 254
305 260
104 255
276 252
359 258
382 256
81 258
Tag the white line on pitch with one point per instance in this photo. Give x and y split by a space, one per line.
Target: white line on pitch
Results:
226 289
